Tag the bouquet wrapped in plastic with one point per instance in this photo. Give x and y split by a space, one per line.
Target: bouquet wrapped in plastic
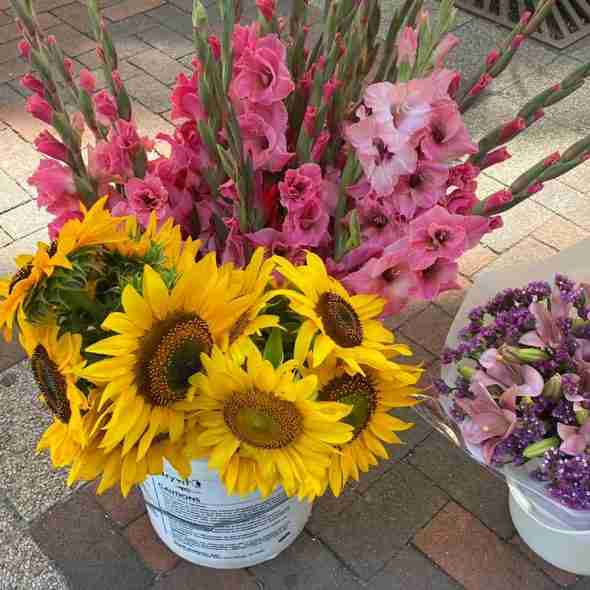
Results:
515 386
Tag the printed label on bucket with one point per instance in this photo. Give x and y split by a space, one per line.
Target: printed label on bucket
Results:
197 517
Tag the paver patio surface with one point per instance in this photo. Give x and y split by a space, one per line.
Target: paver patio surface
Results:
428 519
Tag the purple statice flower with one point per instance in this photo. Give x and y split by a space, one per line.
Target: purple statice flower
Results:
564 284
441 386
564 412
457 413
568 478
536 291
531 428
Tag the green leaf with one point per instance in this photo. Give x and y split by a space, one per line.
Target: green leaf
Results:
273 349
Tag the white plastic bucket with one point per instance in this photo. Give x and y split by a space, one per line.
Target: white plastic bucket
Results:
199 522
562 546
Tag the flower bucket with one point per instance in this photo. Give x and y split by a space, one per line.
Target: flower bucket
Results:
200 522
564 547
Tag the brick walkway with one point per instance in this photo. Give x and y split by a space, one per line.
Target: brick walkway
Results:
427 519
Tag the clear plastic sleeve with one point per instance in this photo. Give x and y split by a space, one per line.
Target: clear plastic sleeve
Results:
573 262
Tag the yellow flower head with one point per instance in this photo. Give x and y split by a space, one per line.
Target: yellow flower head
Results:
56 362
371 395
334 322
160 335
253 284
263 427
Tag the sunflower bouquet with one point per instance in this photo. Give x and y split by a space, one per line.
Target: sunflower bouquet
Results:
144 350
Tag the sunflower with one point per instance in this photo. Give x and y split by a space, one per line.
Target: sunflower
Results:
335 323
120 464
371 394
252 283
179 254
161 334
56 362
32 270
262 426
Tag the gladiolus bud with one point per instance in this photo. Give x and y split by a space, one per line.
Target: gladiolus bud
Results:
309 120
538 115
535 188
511 129
556 87
525 17
517 42
51 40
69 67
492 57
267 9
215 46
33 84
497 200
24 49
496 157
454 84
100 54
407 46
105 105
481 85
78 122
330 88
87 81
40 108
551 159
495 223
317 151
117 80
47 144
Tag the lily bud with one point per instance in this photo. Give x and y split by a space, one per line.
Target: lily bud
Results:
522 355
552 389
538 449
465 371
582 416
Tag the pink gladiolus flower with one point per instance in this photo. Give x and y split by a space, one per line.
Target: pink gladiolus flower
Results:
388 276
40 108
464 176
267 8
491 422
547 331
185 99
439 234
58 222
422 189
107 162
24 49
87 81
383 152
498 200
447 44
55 186
438 277
263 76
307 226
459 201
49 145
126 136
407 46
33 84
147 195
106 107
526 380
575 440
235 244
276 243
243 38
300 185
446 136
263 140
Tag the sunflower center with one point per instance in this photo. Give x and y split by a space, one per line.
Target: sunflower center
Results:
52 383
340 320
262 420
174 357
356 391
20 275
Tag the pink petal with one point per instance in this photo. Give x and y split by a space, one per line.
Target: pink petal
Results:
532 339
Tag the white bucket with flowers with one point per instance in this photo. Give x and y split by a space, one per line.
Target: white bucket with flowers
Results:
516 397
233 405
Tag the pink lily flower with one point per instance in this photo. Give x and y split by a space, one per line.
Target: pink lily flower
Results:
491 421
526 380
547 331
575 439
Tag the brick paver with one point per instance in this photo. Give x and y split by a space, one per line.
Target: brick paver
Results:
426 519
